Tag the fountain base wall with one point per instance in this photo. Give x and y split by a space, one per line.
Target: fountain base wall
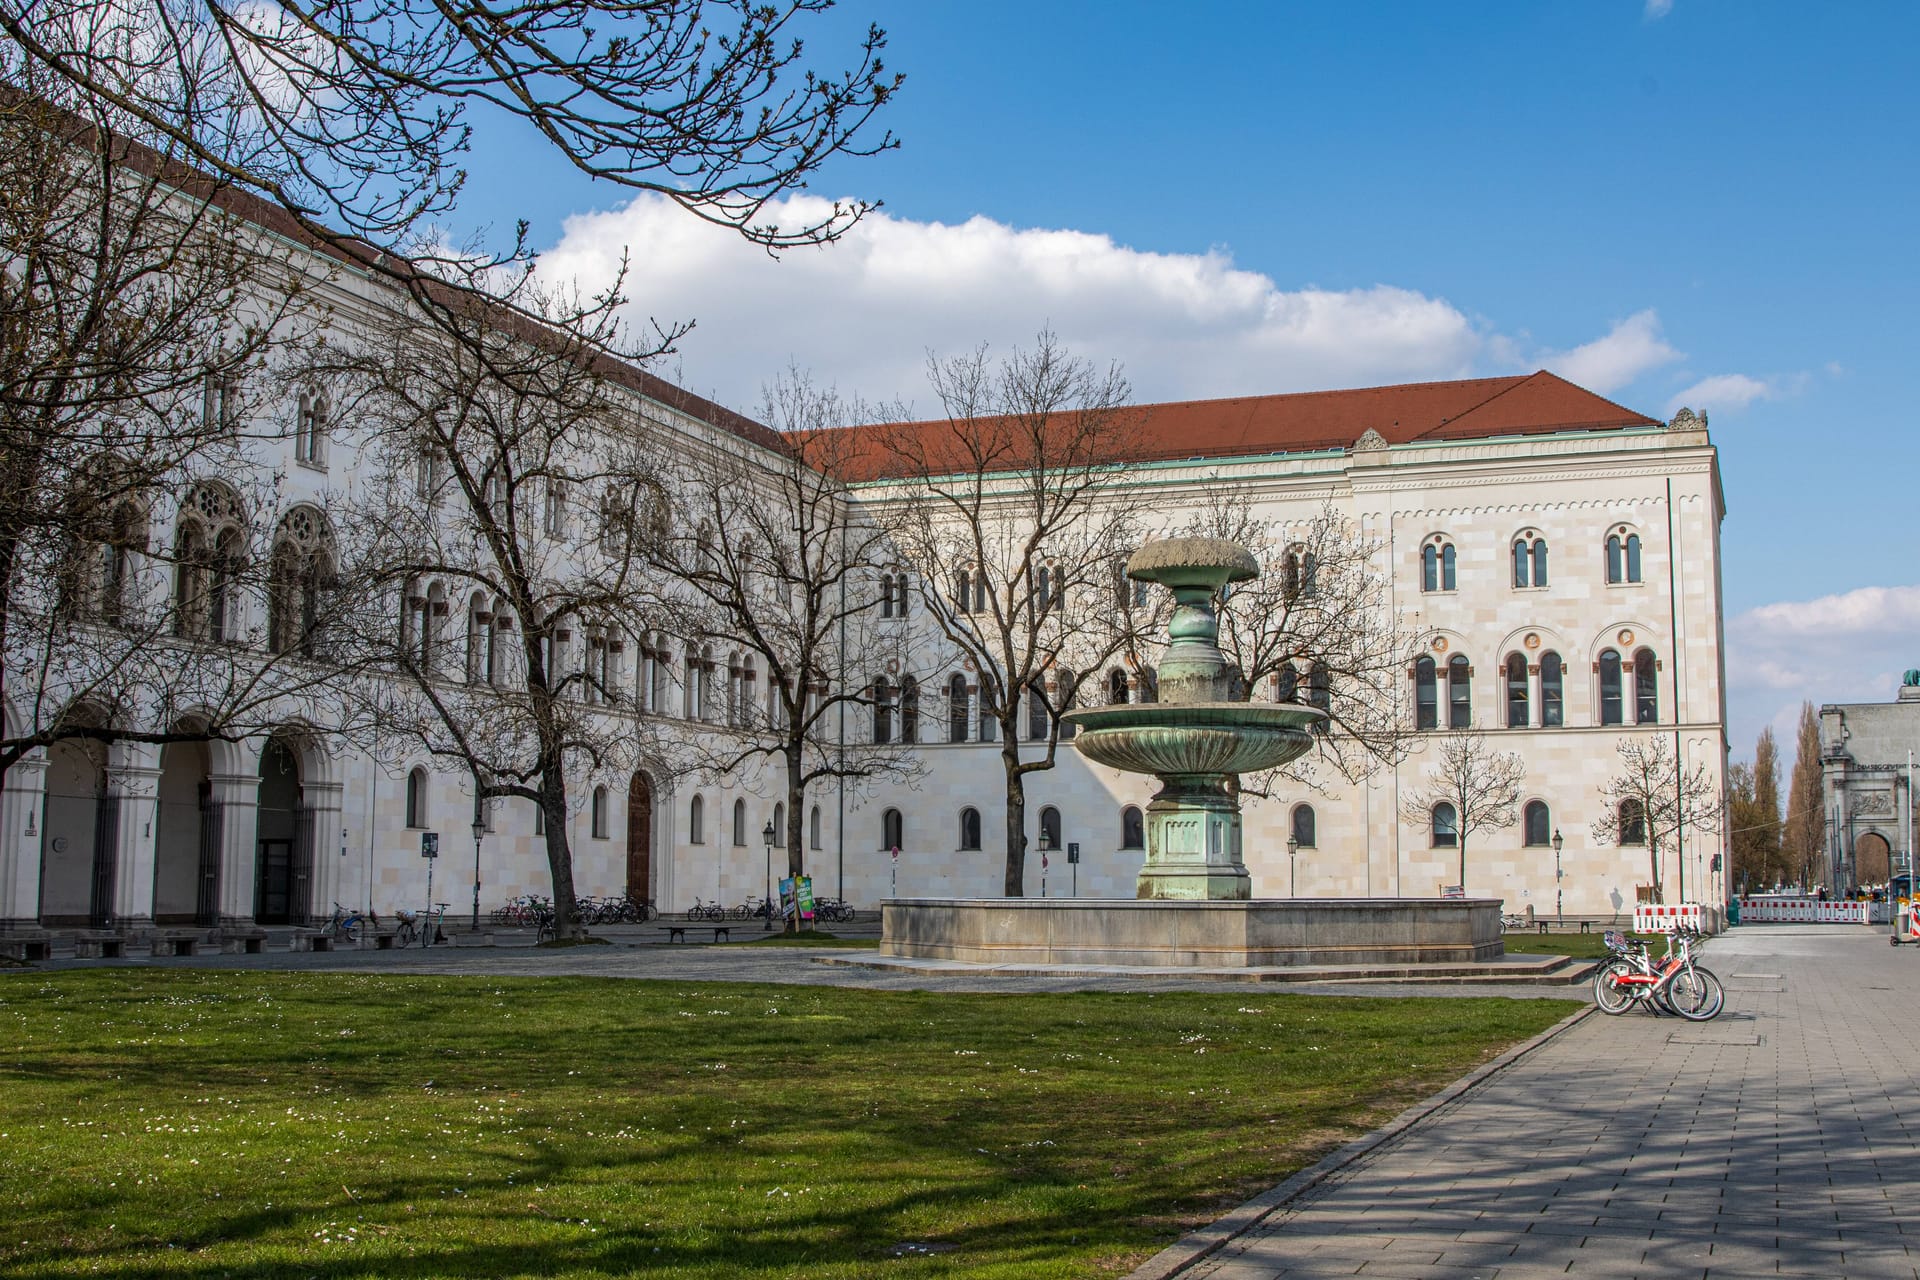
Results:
1258 932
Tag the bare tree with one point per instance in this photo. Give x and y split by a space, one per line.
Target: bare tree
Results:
1478 785
499 536
771 560
1653 800
1318 627
139 319
1753 802
1804 834
352 117
1007 512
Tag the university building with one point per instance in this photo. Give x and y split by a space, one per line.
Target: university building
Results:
1557 555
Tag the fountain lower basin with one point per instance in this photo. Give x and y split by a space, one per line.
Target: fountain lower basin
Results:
1258 933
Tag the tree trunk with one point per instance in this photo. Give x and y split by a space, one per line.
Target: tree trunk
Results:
1463 858
1016 881
796 804
1653 864
553 801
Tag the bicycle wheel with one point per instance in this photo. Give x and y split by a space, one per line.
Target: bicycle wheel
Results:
1607 994
1696 994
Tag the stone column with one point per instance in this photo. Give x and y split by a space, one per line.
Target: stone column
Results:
134 775
325 800
22 811
238 794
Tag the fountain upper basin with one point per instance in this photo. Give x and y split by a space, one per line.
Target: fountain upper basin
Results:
1166 738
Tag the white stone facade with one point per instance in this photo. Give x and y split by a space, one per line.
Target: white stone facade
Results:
281 828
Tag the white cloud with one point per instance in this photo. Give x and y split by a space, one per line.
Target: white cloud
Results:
863 313
1657 9
1849 647
1723 391
1632 347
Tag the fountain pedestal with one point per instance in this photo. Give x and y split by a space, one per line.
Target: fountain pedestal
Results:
1193 844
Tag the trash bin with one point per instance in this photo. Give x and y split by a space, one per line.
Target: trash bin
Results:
1733 912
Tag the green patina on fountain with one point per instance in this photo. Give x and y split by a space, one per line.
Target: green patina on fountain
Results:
1196 737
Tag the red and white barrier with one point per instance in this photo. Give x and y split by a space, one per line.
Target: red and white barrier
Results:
1772 910
1656 918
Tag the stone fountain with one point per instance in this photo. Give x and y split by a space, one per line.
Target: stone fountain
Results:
1196 737
1194 907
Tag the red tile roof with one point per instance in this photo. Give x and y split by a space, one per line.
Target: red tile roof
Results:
1470 409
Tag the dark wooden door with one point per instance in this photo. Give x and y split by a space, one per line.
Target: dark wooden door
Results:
640 839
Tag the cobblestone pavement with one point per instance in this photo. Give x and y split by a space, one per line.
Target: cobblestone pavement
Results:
1777 1140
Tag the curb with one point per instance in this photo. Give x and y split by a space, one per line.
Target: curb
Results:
1197 1246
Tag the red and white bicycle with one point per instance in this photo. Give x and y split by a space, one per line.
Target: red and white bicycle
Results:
1673 984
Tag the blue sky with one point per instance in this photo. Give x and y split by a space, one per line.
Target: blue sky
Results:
1665 201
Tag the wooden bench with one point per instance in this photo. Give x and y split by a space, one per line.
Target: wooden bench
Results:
678 932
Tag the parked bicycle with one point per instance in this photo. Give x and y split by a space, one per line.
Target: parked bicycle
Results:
421 927
755 907
833 910
347 924
1674 984
703 910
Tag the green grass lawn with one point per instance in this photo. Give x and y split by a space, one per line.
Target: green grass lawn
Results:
208 1124
1580 946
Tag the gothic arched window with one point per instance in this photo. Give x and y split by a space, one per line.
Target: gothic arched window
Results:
1552 692
1516 691
1426 694
1612 709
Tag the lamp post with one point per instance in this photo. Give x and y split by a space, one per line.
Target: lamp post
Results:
1046 845
479 835
1293 847
1559 915
766 834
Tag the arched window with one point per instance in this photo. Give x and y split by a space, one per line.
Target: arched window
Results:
813 828
1552 694
662 673
477 627
1459 692
1537 823
697 821
1320 686
1446 826
900 594
1623 555
207 553
599 813
963 591
1299 574
300 571
739 824
1426 694
882 710
705 677
1286 683
310 429
957 708
1516 691
1116 687
1133 828
969 829
780 825
1304 825
1632 822
1529 560
1050 829
1039 721
1611 708
909 710
417 798
1646 688
892 830
1066 695
1437 560
886 595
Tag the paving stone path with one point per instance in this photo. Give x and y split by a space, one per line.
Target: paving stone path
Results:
1779 1139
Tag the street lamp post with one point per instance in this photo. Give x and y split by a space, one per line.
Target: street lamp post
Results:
766 834
1045 846
479 834
1559 914
1293 847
